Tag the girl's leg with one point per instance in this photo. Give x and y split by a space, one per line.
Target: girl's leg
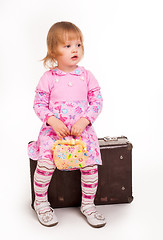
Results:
89 184
42 178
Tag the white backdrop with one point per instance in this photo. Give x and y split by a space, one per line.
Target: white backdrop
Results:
124 50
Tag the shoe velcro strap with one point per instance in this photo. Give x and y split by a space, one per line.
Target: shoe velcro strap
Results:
88 207
42 205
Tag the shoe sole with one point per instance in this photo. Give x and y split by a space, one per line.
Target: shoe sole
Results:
51 225
97 226
94 226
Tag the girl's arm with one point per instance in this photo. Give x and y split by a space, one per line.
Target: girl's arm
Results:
41 106
94 97
42 97
95 105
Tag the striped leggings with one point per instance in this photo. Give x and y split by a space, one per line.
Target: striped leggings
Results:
44 172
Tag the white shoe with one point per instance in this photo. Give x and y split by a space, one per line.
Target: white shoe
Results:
48 218
95 219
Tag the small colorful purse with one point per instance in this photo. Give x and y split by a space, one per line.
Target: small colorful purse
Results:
69 154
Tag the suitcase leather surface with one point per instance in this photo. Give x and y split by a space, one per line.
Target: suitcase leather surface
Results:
115 177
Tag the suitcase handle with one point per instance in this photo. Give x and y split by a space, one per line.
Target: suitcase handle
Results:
110 138
107 138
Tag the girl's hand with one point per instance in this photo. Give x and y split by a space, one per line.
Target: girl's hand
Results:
58 126
79 126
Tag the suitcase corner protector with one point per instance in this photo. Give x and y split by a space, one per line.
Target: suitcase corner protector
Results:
130 199
130 146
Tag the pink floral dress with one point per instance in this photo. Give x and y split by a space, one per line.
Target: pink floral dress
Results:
68 97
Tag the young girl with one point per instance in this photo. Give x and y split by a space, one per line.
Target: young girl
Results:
68 100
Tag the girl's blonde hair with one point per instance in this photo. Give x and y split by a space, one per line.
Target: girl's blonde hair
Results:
59 33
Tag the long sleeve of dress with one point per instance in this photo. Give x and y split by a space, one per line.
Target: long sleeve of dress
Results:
42 97
95 99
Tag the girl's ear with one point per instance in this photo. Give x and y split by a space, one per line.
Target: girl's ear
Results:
52 54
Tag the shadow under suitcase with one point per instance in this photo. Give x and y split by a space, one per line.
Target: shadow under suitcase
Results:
115 177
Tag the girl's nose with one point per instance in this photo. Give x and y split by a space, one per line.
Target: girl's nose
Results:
74 50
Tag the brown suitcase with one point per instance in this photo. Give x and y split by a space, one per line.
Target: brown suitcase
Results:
115 177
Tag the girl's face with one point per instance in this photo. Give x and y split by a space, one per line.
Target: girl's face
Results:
70 55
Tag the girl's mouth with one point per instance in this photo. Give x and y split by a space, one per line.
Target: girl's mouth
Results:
74 57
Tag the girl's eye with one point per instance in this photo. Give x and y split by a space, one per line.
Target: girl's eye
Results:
67 46
79 45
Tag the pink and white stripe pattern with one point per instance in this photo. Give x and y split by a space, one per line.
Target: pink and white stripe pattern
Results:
89 183
42 178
